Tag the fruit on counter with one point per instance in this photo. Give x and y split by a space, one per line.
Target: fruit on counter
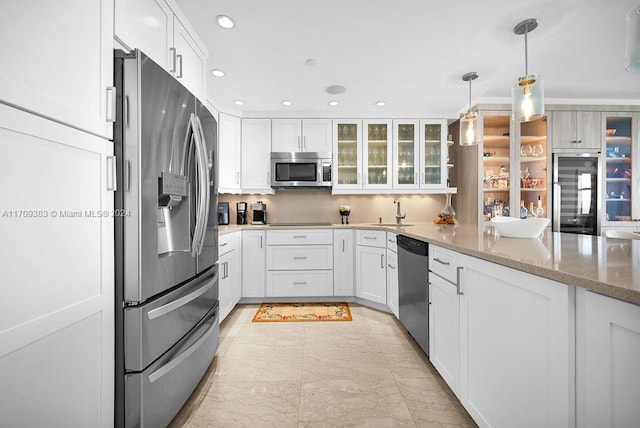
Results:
445 219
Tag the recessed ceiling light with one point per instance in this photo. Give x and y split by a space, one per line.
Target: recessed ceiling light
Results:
287 103
217 73
381 103
225 22
333 103
239 102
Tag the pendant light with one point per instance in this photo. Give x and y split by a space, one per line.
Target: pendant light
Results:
469 129
527 92
633 40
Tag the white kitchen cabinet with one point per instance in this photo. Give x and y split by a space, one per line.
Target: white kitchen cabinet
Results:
229 153
371 267
159 29
253 263
299 263
57 254
256 156
146 25
377 159
229 289
347 154
420 154
393 296
301 135
444 330
59 61
343 262
607 355
515 347
577 130
190 61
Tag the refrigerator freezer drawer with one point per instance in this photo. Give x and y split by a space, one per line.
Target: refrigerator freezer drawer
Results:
155 396
152 328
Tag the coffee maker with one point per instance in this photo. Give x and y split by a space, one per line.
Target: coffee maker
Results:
241 210
259 213
223 213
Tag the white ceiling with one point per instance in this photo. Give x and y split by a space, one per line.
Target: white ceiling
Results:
410 53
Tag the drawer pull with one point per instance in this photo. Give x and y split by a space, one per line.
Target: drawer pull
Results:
299 283
391 266
224 243
369 237
300 258
442 262
299 236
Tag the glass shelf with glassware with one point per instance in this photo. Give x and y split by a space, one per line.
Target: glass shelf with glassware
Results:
533 162
619 165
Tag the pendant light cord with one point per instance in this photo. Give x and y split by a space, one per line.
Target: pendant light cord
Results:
469 95
526 54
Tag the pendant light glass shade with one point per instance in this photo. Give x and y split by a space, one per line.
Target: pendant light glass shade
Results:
470 132
527 93
633 40
528 99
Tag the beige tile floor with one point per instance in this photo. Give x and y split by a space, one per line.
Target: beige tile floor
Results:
367 372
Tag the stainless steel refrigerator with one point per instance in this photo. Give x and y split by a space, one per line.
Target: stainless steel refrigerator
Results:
577 201
166 242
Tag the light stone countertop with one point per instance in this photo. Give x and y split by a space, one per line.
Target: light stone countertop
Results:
603 265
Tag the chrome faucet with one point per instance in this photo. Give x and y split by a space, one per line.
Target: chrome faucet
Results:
399 217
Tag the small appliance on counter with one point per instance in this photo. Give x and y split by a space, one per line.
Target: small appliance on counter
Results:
345 210
259 213
223 213
241 213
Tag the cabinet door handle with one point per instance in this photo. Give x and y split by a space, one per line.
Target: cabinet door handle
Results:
442 262
304 143
112 185
238 177
261 242
224 243
111 104
179 56
382 261
458 274
300 258
299 283
391 266
172 52
298 146
343 245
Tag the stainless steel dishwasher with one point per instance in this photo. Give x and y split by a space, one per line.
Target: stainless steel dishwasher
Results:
413 284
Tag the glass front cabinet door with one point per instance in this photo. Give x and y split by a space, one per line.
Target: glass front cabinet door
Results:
621 167
406 147
347 149
433 154
376 156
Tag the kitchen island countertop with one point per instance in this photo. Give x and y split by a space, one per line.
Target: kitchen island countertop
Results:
606 266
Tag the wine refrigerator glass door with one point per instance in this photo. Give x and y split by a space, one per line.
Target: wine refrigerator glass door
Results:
576 202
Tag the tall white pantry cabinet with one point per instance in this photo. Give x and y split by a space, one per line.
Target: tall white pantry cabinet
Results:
57 309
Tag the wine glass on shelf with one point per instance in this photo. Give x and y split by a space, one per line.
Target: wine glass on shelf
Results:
526 150
538 150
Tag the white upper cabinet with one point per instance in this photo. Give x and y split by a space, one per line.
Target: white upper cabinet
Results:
256 155
433 154
158 29
58 63
376 154
146 25
347 156
301 135
406 149
229 153
190 62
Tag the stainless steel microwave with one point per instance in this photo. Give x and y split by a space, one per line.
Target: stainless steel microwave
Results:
300 169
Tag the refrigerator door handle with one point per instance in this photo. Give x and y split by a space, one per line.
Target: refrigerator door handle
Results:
556 207
165 309
205 179
202 194
180 358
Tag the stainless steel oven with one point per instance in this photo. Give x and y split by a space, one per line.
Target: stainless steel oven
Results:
300 169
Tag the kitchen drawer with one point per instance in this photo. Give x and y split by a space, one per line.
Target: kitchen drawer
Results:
303 257
444 262
225 243
300 237
299 284
392 242
371 238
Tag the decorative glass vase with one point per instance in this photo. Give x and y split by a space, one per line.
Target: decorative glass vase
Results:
447 215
